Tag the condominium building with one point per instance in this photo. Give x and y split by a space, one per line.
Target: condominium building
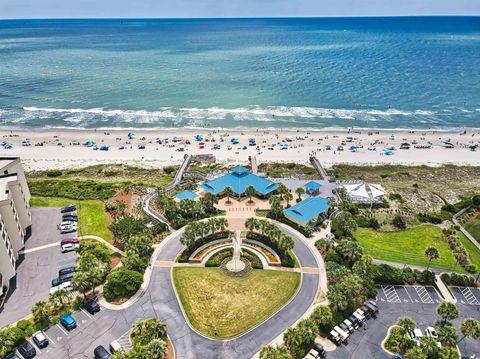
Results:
15 217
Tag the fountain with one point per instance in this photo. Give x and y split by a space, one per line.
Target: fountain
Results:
236 265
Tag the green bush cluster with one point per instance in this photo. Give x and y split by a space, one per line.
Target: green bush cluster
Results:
385 274
12 336
122 283
429 218
457 248
219 257
73 189
458 279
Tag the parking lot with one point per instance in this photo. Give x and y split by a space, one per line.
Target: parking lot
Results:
408 294
39 264
466 295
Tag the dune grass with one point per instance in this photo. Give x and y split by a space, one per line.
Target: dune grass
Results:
407 246
221 306
472 250
473 227
92 219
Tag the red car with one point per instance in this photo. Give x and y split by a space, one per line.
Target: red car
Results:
69 240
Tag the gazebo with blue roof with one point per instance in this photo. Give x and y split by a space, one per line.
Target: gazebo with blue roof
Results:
238 180
313 188
307 211
186 195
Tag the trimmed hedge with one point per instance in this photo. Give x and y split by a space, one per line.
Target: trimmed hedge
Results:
187 252
458 279
286 258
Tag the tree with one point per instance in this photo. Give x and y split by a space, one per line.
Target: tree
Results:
448 353
350 250
126 227
229 193
208 202
399 222
288 197
470 328
448 311
407 324
299 192
338 297
274 352
322 316
416 353
140 244
122 283
308 231
58 298
41 312
251 224
157 349
250 192
447 335
131 260
431 253
282 190
344 225
81 282
276 209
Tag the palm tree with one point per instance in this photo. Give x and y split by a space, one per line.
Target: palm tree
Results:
322 316
157 349
416 353
407 324
157 329
41 312
222 224
299 192
431 253
81 283
448 353
448 311
228 191
251 223
470 328
288 197
447 335
250 192
137 327
338 297
282 190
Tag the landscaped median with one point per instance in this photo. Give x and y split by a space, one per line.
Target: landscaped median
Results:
221 306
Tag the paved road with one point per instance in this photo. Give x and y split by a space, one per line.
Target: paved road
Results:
160 301
37 267
394 302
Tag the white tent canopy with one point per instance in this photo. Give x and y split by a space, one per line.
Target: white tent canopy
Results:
364 192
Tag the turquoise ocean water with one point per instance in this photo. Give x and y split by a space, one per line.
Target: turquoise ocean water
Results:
248 73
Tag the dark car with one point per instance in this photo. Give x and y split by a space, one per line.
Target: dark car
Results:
91 305
62 279
27 350
101 353
72 216
40 339
69 240
67 270
319 348
69 208
12 355
68 322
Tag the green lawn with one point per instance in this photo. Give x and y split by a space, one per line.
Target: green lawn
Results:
473 251
221 306
407 246
473 227
91 215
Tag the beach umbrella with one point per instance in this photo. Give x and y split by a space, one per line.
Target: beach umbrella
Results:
198 137
130 135
234 140
353 148
104 148
89 143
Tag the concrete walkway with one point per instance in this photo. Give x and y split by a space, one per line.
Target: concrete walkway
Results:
104 242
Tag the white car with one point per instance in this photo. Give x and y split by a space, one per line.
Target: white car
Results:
68 247
65 286
66 223
416 335
431 332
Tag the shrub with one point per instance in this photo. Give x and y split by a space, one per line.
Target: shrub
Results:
122 283
169 169
399 222
73 189
219 257
385 274
54 173
26 327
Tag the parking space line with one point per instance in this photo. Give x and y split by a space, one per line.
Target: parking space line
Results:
35 345
60 327
469 296
85 312
49 339
423 294
391 294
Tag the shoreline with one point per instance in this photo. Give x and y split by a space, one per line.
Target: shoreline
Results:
63 149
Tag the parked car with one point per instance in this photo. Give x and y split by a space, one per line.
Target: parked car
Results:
431 332
67 270
349 325
342 333
27 350
65 223
371 308
335 337
65 286
345 328
101 353
73 240
69 247
359 315
368 312
40 339
416 335
320 350
68 322
70 217
12 355
68 229
62 279
91 305
69 208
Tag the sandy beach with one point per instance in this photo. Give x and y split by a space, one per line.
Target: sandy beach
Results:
60 149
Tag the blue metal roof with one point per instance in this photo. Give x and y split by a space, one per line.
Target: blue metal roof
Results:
186 195
239 179
313 185
307 209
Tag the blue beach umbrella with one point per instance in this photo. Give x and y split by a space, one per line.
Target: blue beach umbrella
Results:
130 135
198 137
